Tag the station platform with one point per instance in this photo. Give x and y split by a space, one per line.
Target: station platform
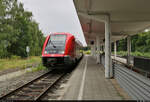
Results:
89 83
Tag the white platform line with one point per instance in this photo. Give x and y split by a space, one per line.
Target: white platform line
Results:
82 81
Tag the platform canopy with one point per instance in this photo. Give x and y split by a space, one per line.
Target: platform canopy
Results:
127 17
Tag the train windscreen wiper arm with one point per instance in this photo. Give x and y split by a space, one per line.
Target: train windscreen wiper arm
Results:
52 44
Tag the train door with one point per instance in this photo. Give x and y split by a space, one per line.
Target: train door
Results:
73 48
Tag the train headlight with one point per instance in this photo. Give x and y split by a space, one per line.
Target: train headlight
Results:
61 52
45 52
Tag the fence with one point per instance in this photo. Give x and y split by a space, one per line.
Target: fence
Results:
142 63
136 85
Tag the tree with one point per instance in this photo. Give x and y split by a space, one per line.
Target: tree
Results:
122 45
18 30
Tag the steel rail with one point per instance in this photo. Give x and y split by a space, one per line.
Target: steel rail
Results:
19 88
48 88
33 84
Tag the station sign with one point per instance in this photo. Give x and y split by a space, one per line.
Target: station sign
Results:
27 49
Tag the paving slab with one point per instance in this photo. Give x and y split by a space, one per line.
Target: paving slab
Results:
88 83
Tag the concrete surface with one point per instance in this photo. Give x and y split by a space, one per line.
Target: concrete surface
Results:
123 60
89 83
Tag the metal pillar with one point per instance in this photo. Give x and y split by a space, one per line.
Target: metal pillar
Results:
98 49
115 49
94 49
108 66
103 48
128 49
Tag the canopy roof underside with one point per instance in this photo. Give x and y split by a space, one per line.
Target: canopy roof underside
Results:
128 17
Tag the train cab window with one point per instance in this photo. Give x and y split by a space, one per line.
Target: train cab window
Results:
56 44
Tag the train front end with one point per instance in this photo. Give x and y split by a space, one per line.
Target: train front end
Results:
55 51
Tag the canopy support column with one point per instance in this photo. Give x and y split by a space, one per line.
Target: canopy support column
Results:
98 49
115 49
128 49
92 50
108 66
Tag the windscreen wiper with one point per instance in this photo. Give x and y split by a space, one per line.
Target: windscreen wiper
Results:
52 44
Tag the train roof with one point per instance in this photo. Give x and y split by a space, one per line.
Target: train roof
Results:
77 40
61 33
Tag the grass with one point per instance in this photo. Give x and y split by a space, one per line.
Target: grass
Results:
136 53
87 52
16 62
38 68
145 54
124 53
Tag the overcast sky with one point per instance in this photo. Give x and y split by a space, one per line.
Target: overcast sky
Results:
55 16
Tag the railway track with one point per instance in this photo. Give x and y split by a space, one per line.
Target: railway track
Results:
37 88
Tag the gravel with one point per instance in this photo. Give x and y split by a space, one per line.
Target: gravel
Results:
57 92
10 70
11 84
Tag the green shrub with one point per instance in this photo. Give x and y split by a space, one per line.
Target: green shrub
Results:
136 53
122 53
140 54
15 57
147 54
38 68
81 51
87 52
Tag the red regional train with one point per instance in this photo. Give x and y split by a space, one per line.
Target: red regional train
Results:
61 49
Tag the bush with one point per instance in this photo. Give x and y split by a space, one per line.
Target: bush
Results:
140 54
136 53
147 55
40 67
81 51
87 52
15 57
122 53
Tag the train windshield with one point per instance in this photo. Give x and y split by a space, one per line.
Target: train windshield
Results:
56 44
